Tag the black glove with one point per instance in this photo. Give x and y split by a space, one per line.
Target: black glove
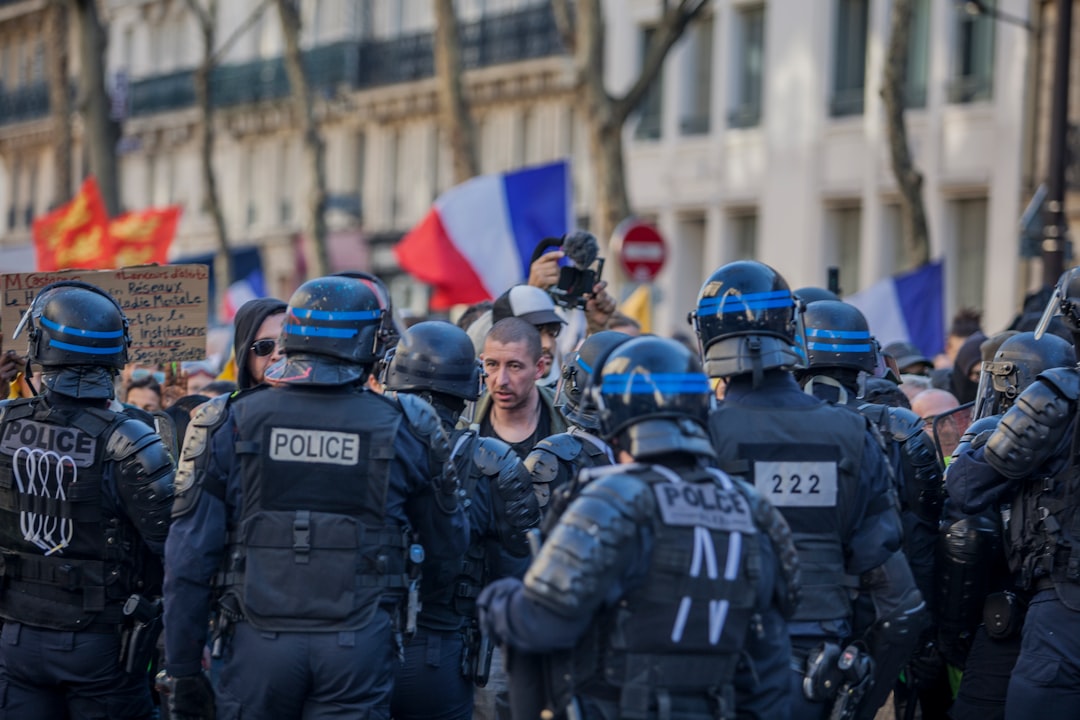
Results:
927 663
191 698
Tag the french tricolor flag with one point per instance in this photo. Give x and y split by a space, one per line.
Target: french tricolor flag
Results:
908 307
477 240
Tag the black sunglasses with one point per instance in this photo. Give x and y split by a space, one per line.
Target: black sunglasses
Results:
262 348
552 329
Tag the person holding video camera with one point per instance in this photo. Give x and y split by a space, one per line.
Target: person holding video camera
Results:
576 284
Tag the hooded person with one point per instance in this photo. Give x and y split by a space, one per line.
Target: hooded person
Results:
968 362
256 323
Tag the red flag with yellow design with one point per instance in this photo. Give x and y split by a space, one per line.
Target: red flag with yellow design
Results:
143 237
75 235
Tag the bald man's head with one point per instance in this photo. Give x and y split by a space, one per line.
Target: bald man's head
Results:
933 402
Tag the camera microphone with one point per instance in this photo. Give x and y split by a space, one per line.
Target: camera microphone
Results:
581 247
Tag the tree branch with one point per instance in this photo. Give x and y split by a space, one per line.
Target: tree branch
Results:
667 33
564 23
253 18
908 178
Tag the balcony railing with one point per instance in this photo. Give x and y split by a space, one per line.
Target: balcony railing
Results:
24 103
494 40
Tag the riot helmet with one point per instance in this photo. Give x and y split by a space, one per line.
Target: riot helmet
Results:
434 356
745 320
812 294
1019 361
76 323
330 336
388 333
79 336
652 398
837 336
579 367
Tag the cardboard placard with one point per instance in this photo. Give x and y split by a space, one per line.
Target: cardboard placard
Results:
166 307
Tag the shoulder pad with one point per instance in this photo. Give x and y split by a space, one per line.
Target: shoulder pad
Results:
563 446
903 423
542 464
1065 380
490 455
980 427
211 413
419 414
208 416
1030 431
772 522
877 414
128 438
579 562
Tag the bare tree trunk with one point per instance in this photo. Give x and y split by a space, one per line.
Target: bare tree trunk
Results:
314 149
101 132
453 108
583 32
56 38
908 178
206 17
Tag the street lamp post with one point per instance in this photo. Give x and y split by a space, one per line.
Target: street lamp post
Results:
1055 237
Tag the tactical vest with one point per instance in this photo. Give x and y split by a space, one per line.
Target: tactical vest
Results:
805 461
675 640
315 550
68 559
1043 531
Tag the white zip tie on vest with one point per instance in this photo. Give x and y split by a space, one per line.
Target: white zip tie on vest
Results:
40 473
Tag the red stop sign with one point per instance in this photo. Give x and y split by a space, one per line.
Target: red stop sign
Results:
642 249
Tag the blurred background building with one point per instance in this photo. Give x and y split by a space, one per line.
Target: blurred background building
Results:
764 136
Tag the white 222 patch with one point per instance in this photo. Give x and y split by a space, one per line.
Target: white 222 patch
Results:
314 446
805 483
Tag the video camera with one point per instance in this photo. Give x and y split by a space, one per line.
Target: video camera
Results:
577 279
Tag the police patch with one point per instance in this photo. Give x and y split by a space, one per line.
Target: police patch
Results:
66 441
704 505
805 483
314 446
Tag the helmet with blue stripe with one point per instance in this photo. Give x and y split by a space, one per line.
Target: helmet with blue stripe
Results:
331 333
745 320
837 335
579 367
652 398
73 323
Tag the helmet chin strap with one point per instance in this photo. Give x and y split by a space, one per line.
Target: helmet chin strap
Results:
753 344
808 388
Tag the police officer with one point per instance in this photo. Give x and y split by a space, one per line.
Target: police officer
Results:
292 503
975 580
448 654
822 466
661 590
1033 447
83 520
840 353
556 460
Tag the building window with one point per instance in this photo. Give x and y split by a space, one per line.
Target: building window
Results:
650 118
744 235
842 226
918 55
973 61
969 230
695 107
749 62
849 58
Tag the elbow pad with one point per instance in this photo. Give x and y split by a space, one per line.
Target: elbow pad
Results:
1030 431
144 476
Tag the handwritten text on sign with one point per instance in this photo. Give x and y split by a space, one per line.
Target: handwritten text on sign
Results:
165 305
